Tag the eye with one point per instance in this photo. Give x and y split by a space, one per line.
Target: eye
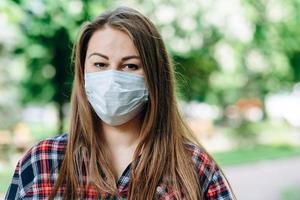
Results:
99 65
130 67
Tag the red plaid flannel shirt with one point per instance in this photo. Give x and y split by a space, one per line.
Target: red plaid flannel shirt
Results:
38 170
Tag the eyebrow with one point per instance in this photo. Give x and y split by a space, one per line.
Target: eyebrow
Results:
106 57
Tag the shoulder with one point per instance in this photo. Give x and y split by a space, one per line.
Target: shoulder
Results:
212 180
38 168
203 161
51 148
42 160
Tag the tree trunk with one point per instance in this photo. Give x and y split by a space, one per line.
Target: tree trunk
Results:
60 118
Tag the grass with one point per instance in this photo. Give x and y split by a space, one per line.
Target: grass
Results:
291 193
253 154
5 178
41 131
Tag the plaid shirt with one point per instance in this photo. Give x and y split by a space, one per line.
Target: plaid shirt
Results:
38 170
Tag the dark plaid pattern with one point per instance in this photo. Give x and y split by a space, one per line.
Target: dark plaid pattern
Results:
37 172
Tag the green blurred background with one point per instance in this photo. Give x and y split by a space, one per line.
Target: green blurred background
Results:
237 66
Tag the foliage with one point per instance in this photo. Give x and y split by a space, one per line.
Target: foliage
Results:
48 29
9 68
223 51
255 153
226 50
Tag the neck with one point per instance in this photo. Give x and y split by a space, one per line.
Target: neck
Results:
122 136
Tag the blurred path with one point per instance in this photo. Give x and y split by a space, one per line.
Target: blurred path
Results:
265 179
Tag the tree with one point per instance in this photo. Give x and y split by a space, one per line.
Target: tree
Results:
48 29
9 102
222 50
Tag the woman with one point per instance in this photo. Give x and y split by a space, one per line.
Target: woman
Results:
126 139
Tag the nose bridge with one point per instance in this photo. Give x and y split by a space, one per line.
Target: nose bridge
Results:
114 62
115 65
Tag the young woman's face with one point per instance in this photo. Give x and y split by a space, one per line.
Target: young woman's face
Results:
112 49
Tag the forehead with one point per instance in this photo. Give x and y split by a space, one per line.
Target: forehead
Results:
111 41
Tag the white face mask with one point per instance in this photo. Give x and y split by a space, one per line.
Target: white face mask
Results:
117 97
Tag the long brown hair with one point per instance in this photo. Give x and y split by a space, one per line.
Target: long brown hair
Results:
161 153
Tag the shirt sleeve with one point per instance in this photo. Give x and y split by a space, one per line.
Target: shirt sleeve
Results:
214 185
36 171
13 189
217 188
23 177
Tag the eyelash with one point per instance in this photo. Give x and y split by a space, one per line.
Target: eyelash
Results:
102 65
132 65
129 66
